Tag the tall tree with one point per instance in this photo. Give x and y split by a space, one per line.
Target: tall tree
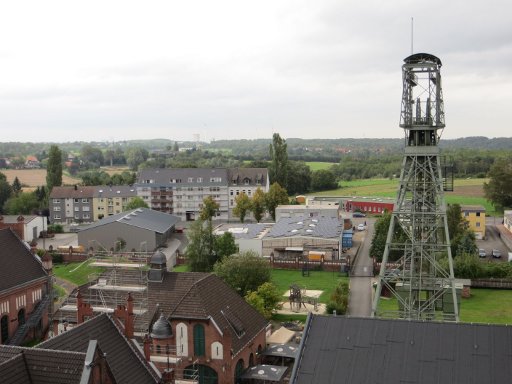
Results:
16 186
225 245
24 204
135 156
299 177
278 168
200 249
54 168
258 204
499 188
243 205
275 196
323 180
380 234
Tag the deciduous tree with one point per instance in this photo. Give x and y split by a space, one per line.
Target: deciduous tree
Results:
499 188
210 209
243 272
258 204
136 202
243 205
275 196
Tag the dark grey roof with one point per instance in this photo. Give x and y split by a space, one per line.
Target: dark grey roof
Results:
107 191
142 218
20 365
255 176
127 364
320 226
17 264
163 176
369 350
265 372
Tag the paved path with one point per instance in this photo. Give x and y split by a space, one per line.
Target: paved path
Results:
360 299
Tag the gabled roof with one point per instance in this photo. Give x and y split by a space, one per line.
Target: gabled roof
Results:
191 295
20 365
140 217
472 208
12 219
320 226
17 264
370 350
255 176
127 364
78 192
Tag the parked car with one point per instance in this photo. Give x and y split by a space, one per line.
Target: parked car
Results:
360 227
496 253
482 253
358 214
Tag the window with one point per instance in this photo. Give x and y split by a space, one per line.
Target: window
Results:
199 179
231 192
246 181
478 225
87 216
478 214
215 179
158 349
56 209
77 209
85 208
56 217
56 201
85 200
190 179
76 200
466 214
77 217
199 344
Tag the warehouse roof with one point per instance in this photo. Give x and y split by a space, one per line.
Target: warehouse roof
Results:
140 217
320 226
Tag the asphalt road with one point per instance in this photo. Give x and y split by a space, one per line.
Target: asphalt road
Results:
360 299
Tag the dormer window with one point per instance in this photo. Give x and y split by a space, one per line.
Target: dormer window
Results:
247 181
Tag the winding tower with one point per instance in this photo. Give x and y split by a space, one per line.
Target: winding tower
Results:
418 232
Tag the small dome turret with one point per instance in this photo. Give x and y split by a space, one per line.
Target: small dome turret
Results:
161 328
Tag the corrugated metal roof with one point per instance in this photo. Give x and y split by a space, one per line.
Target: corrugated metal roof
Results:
321 226
140 217
368 350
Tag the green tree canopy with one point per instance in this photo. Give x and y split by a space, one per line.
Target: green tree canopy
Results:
16 186
225 245
25 203
380 234
258 204
243 205
5 192
323 180
299 177
135 156
266 299
278 168
136 202
54 168
210 208
200 249
499 188
275 196
243 272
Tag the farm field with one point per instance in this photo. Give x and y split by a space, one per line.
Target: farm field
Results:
318 165
34 177
489 306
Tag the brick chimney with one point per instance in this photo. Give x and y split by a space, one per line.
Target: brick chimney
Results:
83 309
128 324
147 347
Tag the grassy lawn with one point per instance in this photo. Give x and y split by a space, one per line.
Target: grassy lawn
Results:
318 165
76 273
493 306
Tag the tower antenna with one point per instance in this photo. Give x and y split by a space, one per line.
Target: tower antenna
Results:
412 35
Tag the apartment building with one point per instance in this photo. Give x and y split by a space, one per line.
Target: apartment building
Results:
111 200
246 180
181 191
86 204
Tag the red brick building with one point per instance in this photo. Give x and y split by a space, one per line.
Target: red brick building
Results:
24 291
374 205
201 325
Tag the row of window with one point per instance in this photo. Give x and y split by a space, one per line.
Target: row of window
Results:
84 200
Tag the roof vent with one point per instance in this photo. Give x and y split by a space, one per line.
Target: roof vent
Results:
295 230
300 222
100 191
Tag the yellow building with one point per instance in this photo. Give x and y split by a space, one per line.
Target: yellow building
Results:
475 216
108 201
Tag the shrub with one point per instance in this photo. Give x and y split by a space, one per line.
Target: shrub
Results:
55 228
339 299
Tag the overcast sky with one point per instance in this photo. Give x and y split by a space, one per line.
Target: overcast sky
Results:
114 70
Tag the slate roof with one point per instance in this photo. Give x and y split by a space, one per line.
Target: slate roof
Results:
20 365
472 208
238 175
127 365
320 226
81 192
145 218
18 264
193 295
369 350
163 176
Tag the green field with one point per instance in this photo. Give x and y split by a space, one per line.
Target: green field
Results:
76 273
489 306
318 165
466 191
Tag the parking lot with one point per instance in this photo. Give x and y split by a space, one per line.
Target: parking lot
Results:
493 241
